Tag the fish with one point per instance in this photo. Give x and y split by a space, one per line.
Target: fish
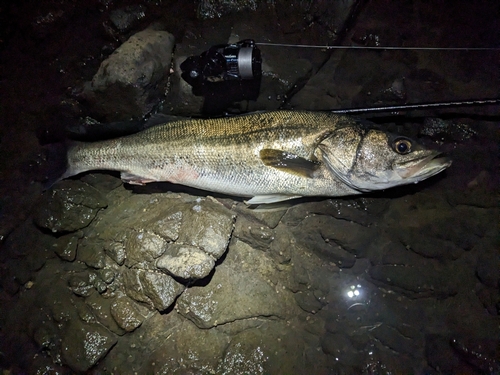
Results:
267 157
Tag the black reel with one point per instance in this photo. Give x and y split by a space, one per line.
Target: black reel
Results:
225 74
223 62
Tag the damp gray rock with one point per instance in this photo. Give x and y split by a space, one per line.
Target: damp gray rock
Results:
98 309
488 262
266 350
207 225
215 9
131 82
230 297
143 247
69 206
65 247
336 240
125 18
154 288
83 345
127 313
186 262
84 283
267 215
81 284
419 280
417 240
116 251
254 233
91 253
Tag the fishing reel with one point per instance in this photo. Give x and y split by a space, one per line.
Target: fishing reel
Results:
223 62
225 73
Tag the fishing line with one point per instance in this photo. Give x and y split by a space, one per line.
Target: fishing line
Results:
403 107
382 47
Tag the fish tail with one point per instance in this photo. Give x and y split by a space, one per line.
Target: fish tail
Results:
57 166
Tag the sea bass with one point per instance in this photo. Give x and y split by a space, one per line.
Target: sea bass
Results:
266 156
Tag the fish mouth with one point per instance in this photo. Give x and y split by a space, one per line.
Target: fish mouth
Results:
422 168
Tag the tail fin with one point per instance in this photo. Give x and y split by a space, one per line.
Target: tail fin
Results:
56 168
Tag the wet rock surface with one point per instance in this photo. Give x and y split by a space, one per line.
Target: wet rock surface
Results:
99 277
138 68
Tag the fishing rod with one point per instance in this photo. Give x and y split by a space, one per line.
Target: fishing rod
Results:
407 107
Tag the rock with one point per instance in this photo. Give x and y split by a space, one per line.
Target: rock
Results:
127 313
440 355
394 339
230 296
488 269
215 9
308 302
155 288
421 280
160 288
488 262
268 215
65 247
106 275
168 227
419 242
143 247
91 253
309 239
268 350
186 262
255 234
125 18
69 206
483 354
83 345
189 350
340 346
100 308
207 225
80 284
362 211
131 82
116 251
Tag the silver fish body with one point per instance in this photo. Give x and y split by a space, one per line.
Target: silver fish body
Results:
270 156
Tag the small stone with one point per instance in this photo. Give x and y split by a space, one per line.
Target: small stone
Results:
208 225
66 246
142 247
126 313
116 251
106 275
160 288
83 345
69 206
80 284
154 288
186 262
92 253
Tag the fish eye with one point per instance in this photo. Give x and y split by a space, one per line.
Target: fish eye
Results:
402 146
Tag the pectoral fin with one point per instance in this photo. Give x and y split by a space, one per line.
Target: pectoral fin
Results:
288 162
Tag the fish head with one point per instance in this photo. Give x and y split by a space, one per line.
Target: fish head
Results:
368 159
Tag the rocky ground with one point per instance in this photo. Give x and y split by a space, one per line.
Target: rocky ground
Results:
100 277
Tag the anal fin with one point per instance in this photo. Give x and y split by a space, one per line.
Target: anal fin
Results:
133 179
